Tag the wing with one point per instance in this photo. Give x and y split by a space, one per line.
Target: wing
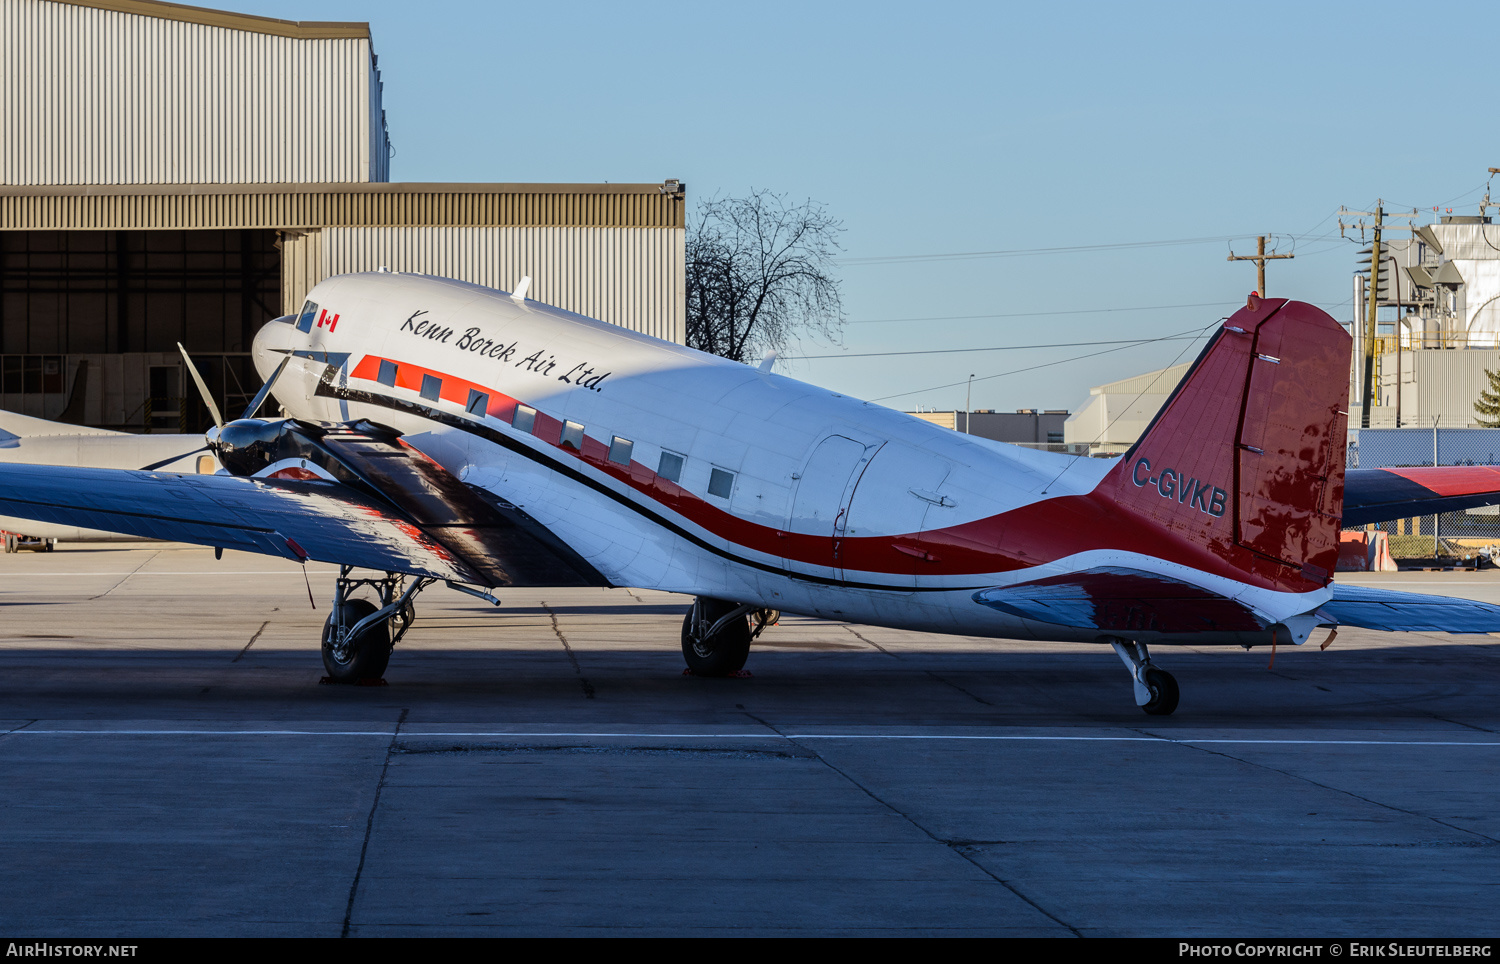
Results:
1122 600
1392 611
495 544
1379 495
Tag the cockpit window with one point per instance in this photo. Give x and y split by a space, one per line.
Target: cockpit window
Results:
305 320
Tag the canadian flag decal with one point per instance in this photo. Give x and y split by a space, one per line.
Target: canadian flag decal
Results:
324 318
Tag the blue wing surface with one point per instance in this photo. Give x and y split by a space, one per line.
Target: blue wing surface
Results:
1380 495
1387 609
327 521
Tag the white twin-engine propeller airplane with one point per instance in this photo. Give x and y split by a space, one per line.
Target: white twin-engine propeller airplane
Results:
444 431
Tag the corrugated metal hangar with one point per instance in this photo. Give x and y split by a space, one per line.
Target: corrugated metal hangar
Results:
170 173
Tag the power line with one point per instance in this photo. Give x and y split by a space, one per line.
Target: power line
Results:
1040 314
1026 252
949 351
1031 368
1070 311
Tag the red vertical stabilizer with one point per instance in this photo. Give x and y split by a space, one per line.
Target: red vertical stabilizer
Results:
1246 459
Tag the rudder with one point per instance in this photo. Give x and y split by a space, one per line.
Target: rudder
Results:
1246 458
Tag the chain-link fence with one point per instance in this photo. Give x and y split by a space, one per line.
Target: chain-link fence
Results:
1462 533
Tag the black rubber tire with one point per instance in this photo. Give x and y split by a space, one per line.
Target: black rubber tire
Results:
1163 689
367 656
721 654
51 544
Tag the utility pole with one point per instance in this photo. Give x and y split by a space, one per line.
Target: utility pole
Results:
1260 258
1372 302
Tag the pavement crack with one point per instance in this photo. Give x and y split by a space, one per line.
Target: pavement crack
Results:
1324 786
364 847
127 576
946 682
251 643
17 729
588 688
959 848
869 642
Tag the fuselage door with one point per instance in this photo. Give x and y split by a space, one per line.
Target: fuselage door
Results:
900 496
820 507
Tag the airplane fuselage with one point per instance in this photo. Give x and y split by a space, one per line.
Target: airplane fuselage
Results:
670 469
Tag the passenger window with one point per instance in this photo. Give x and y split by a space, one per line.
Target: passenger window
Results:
721 483
387 374
670 467
305 320
525 419
432 388
620 449
479 403
207 465
572 434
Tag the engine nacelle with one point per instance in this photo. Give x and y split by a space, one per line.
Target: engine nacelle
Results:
247 445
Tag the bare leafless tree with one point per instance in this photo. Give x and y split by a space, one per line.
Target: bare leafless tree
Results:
759 271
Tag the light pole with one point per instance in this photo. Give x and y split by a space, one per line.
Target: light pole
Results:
968 397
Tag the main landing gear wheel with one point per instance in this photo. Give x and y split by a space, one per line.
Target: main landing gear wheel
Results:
716 654
362 657
1155 689
10 542
1163 689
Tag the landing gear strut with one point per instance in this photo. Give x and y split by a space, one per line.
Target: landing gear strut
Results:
1155 689
358 636
716 635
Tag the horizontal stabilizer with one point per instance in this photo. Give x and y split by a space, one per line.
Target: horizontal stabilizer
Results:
1380 495
1395 612
1122 600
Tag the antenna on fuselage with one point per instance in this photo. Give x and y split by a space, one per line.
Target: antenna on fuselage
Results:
767 362
520 293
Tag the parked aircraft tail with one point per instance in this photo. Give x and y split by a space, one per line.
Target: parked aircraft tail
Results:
1246 458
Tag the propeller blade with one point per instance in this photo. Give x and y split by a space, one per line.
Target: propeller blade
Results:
202 388
168 461
260 396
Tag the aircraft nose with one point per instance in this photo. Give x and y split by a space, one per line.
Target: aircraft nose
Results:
271 344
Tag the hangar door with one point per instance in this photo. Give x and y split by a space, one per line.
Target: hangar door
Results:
102 312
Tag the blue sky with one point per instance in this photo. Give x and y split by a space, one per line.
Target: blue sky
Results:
950 128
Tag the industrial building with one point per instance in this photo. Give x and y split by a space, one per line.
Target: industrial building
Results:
1025 426
1437 298
1117 413
170 173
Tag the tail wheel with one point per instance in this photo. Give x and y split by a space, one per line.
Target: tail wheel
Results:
360 657
724 652
1163 687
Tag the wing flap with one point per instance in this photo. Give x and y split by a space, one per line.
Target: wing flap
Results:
490 535
1122 600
